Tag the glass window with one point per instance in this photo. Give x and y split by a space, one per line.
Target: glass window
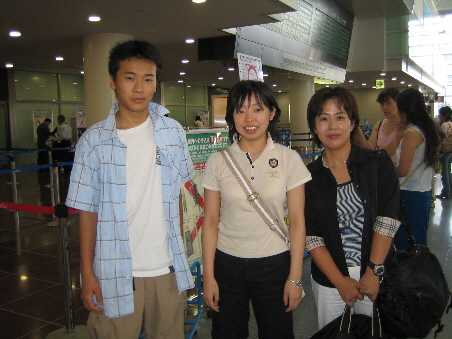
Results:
174 93
177 113
36 86
72 87
196 95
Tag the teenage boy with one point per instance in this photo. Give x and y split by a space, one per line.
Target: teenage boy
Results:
126 181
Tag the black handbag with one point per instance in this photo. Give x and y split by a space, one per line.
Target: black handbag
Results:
353 326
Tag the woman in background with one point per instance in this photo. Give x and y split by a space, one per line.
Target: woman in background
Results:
417 156
348 232
446 176
244 260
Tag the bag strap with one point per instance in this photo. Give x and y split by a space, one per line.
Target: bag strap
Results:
375 324
253 197
410 174
378 132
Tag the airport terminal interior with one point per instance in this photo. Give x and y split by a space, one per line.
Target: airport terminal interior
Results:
57 65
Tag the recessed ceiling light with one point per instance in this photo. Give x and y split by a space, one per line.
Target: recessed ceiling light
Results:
394 79
180 80
274 85
265 75
182 73
220 78
185 61
74 83
14 34
364 84
383 74
402 82
94 18
189 40
374 86
188 86
350 80
82 72
409 85
231 68
213 84
327 86
59 58
9 65
198 1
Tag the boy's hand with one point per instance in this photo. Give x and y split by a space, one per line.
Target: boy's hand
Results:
90 287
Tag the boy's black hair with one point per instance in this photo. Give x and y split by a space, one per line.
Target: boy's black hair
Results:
130 49
243 91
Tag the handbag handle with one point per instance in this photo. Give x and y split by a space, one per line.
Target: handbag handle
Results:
346 321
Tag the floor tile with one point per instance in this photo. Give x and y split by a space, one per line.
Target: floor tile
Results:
15 287
14 325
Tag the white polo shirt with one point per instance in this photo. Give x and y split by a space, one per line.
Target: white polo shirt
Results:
242 231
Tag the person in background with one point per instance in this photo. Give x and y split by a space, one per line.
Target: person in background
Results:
63 139
244 260
446 158
387 133
417 156
349 226
198 122
126 182
43 132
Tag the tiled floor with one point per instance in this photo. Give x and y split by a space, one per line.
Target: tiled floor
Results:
31 293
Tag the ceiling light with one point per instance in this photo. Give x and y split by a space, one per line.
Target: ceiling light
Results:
213 84
14 34
189 40
220 78
180 80
265 75
182 73
402 82
374 87
59 58
383 74
327 86
394 79
350 80
94 18
231 68
364 84
198 1
274 85
9 65
185 61
409 85
82 72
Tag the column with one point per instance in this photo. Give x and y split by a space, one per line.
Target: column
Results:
301 91
98 95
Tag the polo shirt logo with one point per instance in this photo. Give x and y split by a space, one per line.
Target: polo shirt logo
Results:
157 157
273 163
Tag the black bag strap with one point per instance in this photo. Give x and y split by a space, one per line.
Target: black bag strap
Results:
346 322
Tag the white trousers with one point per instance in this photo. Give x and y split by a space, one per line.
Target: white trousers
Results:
330 304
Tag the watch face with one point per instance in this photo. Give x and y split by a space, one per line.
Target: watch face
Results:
379 270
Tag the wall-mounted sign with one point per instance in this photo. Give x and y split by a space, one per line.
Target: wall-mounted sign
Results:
379 84
250 68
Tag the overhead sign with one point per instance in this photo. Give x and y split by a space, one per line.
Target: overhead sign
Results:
250 68
379 84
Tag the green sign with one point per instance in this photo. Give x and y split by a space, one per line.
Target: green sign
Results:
379 84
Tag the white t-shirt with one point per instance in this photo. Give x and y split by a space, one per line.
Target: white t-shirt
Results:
242 232
147 230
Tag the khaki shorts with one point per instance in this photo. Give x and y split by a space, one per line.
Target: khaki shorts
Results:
157 301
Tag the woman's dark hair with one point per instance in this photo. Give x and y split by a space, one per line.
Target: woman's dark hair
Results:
446 111
411 106
130 49
243 91
344 99
388 93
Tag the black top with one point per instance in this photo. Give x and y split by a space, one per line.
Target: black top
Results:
43 132
321 209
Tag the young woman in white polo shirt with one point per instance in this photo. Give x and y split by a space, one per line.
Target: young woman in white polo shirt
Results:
244 260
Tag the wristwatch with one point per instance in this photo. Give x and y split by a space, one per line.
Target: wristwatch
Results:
379 270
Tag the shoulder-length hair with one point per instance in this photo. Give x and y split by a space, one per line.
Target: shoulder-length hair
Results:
344 99
411 106
243 91
388 93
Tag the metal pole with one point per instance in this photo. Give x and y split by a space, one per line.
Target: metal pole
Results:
61 212
56 183
14 194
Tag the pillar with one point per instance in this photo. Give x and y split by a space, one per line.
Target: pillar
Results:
301 91
98 95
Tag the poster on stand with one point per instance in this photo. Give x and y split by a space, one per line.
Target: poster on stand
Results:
39 115
80 118
204 115
250 68
200 145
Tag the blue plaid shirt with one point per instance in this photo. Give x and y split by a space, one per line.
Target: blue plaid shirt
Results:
98 184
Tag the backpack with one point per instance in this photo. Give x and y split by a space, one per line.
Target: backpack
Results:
413 294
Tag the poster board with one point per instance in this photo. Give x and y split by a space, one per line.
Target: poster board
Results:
200 145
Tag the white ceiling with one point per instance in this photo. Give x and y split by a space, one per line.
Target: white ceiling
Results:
57 27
